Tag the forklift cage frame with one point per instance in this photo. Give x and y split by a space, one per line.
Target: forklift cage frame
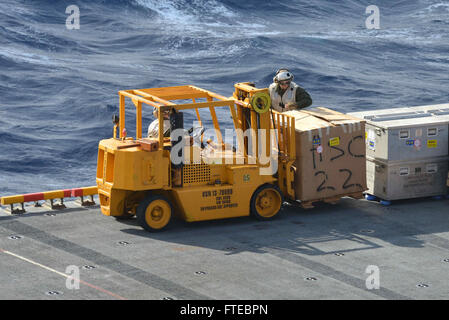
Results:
160 98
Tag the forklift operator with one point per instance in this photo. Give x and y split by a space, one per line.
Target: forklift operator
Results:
153 128
287 95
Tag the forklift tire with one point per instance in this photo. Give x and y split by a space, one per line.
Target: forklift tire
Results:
266 202
154 213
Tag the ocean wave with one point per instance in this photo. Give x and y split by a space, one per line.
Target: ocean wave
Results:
21 56
187 12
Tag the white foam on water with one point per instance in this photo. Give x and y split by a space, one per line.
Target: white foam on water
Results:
440 7
20 56
16 10
204 18
435 10
405 35
186 12
166 11
213 51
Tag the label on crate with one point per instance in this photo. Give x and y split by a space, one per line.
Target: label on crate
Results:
432 168
334 142
371 137
404 171
431 143
417 143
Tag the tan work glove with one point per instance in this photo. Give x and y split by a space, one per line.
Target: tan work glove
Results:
291 106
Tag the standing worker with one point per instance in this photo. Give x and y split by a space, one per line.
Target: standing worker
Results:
287 95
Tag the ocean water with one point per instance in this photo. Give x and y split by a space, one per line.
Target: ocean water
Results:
58 87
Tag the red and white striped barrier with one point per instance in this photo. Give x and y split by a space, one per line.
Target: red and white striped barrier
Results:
51 196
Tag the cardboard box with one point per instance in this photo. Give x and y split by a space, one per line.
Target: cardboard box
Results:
330 154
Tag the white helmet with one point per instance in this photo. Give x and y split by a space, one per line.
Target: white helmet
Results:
283 75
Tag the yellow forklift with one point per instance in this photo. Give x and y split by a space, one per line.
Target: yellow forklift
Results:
138 175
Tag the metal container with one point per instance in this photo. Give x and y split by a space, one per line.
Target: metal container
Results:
394 180
405 134
438 110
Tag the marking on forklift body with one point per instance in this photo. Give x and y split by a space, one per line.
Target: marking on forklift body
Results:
61 274
222 199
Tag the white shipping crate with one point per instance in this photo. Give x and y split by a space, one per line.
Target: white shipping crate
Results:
394 180
405 134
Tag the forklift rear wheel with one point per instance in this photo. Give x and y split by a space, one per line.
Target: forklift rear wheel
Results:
266 202
154 213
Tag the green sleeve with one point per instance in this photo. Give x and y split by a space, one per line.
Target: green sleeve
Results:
303 99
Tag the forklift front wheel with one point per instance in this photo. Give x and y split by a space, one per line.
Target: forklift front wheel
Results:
154 213
266 202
